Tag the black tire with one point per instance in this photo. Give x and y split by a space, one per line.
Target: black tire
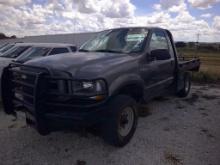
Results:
186 87
111 128
41 129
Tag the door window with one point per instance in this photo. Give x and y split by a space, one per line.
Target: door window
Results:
158 41
159 47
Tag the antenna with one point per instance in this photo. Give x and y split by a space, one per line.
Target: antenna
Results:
198 35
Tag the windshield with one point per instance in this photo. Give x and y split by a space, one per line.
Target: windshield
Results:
15 52
117 41
4 49
33 52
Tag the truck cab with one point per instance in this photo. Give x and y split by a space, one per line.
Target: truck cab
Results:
101 85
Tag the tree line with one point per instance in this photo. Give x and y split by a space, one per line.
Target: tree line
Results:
3 36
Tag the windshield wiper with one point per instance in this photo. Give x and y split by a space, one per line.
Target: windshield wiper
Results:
83 50
101 50
108 50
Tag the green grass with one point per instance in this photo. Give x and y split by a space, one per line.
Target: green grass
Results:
210 65
205 77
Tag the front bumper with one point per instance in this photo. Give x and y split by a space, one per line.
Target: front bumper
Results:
26 88
64 119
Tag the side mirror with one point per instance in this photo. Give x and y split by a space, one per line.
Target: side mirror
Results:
160 54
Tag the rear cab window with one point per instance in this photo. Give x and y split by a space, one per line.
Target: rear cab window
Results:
59 50
73 48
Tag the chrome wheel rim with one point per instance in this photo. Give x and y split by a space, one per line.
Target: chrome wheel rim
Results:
126 121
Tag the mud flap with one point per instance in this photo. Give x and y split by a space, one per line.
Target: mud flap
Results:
7 93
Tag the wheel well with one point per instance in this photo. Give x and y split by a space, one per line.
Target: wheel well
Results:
133 90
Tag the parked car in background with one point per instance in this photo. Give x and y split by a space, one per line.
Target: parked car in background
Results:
22 52
3 45
45 49
5 48
16 50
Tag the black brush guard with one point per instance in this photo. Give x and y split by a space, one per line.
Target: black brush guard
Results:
27 88
19 92
15 84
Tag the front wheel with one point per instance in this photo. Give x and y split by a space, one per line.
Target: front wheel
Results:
121 122
186 86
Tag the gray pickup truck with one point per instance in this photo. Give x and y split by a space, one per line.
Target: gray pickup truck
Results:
101 85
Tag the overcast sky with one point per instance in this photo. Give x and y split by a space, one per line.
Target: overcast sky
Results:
185 18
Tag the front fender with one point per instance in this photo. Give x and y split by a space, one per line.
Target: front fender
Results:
125 80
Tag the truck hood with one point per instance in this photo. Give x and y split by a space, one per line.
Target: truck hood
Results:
81 63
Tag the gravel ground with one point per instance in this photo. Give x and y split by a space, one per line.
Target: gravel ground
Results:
175 132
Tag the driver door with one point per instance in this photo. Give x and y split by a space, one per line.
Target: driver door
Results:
157 72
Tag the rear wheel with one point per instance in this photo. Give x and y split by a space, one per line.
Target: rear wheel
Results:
121 123
186 87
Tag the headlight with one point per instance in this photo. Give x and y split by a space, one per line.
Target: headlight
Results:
89 88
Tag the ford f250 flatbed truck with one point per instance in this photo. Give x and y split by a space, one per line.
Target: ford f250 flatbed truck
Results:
101 85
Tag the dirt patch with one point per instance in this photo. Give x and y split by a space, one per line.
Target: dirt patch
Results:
192 99
12 126
207 133
204 114
201 109
167 129
209 97
204 88
66 149
199 92
80 162
172 158
144 111
180 106
164 119
24 126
